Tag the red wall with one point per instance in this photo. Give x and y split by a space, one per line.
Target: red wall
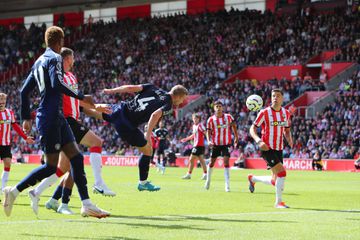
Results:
271 5
256 163
322 57
266 73
333 69
134 12
200 6
9 21
73 19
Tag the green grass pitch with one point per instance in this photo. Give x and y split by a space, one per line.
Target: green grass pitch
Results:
324 205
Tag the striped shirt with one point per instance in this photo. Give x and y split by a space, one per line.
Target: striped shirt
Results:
220 129
71 106
6 119
199 131
273 124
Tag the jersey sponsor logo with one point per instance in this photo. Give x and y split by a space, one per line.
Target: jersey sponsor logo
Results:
221 126
5 121
278 123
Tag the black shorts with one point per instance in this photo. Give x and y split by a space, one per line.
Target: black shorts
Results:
54 134
78 129
272 157
198 151
5 152
220 151
127 132
161 149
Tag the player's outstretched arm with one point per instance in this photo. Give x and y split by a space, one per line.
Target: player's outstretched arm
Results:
93 113
124 89
188 138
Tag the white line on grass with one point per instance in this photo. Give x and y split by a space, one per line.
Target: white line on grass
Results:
165 216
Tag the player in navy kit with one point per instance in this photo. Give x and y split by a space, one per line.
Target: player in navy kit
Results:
55 134
163 134
149 105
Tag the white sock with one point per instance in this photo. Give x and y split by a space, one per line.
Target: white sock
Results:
95 161
227 176
263 179
45 183
279 186
143 182
86 202
4 179
15 191
209 172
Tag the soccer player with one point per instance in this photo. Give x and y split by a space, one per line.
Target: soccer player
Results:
7 121
197 153
218 135
275 123
84 136
162 133
55 134
149 105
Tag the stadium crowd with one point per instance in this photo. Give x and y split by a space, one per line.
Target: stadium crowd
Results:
200 52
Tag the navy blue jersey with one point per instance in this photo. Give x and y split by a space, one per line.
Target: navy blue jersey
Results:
162 133
47 74
139 109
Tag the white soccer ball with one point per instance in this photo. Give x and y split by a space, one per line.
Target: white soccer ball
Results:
254 103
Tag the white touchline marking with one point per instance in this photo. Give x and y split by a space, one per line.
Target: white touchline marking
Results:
9 222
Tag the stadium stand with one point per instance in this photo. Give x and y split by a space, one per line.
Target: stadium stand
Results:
200 52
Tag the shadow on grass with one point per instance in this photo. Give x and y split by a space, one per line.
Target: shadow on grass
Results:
165 218
327 210
229 220
148 225
72 237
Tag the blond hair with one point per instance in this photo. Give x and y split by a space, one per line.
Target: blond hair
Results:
3 95
53 36
179 90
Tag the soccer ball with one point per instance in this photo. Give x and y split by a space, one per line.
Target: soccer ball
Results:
254 103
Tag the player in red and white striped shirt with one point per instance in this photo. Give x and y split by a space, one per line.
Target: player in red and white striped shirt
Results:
84 136
275 124
197 153
218 135
7 121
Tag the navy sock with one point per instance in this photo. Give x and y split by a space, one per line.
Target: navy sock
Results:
78 174
66 195
58 192
144 162
35 176
164 162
